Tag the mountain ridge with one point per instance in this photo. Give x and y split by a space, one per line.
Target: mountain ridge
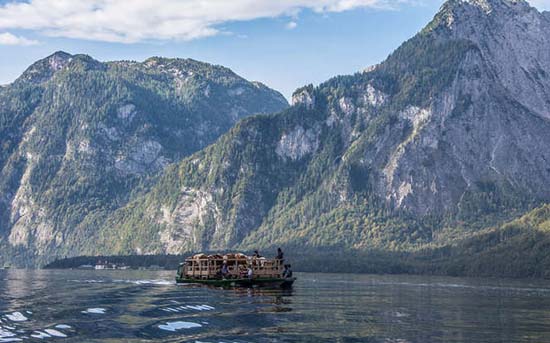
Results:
438 139
80 136
440 147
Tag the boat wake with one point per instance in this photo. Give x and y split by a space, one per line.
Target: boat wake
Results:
135 282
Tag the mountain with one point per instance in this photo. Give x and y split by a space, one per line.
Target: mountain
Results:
79 138
444 139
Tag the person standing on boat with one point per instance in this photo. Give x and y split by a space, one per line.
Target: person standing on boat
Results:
256 254
280 255
250 273
280 258
225 270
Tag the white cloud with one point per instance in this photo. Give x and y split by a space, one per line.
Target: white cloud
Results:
130 21
7 38
543 5
291 25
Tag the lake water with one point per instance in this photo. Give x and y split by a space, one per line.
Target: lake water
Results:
147 306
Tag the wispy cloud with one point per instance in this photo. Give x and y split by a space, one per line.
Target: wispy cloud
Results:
291 25
129 21
543 5
7 38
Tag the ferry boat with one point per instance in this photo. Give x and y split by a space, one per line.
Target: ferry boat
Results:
240 271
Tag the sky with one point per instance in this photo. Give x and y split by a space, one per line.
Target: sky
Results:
283 43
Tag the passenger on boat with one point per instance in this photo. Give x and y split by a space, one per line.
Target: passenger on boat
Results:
256 254
280 255
225 270
288 271
250 273
243 272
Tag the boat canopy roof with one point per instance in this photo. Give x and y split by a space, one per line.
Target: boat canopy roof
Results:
229 256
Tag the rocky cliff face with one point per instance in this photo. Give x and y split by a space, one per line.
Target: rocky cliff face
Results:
487 126
78 136
448 134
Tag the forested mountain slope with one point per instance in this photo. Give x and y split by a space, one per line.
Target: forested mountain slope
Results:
78 137
446 137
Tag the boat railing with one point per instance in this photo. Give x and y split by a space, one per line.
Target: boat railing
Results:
209 267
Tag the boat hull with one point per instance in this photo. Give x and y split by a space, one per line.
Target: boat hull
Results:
258 282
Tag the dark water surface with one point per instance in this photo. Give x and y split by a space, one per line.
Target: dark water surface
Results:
147 306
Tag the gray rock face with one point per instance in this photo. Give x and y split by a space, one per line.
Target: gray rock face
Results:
491 124
303 97
298 143
512 39
194 208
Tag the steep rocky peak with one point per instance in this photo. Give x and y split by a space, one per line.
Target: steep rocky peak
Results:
58 60
304 97
512 39
489 5
44 69
454 14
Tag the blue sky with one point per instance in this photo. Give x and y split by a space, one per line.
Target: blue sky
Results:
284 44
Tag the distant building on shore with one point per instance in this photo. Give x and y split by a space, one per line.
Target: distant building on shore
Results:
101 265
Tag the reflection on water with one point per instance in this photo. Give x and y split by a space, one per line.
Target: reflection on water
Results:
147 306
